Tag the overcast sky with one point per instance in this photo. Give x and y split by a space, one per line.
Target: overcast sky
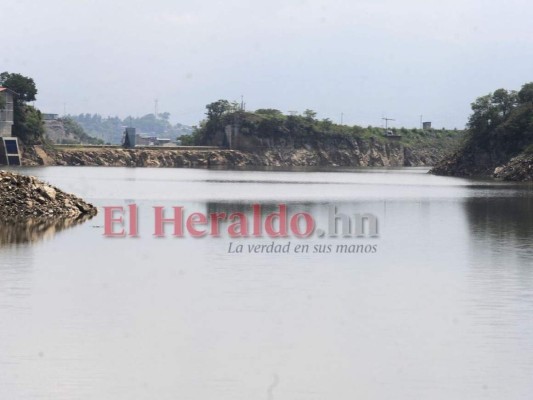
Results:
366 59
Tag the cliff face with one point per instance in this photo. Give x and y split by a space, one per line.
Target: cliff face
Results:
54 130
350 151
346 152
501 157
469 161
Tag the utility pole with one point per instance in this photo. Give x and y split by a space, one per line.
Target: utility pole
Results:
421 121
156 101
387 122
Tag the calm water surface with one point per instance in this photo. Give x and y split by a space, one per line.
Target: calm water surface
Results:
443 310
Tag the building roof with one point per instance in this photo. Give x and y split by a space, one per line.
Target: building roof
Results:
4 89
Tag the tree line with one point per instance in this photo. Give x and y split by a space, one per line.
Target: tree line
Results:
110 129
272 123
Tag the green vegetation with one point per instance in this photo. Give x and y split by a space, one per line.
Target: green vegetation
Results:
28 123
273 124
110 129
503 120
22 85
500 128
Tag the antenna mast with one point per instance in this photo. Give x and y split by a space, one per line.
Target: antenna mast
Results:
387 122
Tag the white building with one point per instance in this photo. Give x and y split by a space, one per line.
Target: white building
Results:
6 111
9 148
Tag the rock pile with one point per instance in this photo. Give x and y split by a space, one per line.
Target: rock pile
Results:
518 169
24 197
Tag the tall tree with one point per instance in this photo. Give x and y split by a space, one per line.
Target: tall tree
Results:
526 93
22 85
504 101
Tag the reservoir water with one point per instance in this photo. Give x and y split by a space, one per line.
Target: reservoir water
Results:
442 309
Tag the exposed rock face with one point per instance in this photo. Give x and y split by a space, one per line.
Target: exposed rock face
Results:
347 152
472 160
55 131
23 197
518 169
153 158
29 155
353 152
483 163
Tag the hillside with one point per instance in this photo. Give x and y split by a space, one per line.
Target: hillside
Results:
291 138
499 139
110 129
67 131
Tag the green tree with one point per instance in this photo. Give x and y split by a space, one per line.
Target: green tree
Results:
217 109
309 114
504 101
326 125
22 85
485 115
526 93
216 119
28 123
271 112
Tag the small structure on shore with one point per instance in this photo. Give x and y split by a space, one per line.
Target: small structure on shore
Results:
389 133
152 141
50 117
9 147
129 138
7 99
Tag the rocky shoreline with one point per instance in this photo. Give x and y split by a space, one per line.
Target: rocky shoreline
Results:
26 197
499 140
346 153
519 169
479 164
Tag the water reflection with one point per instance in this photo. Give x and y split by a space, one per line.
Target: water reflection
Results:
34 230
266 207
502 222
444 309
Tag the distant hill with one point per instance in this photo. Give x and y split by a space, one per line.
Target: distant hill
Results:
67 131
110 129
